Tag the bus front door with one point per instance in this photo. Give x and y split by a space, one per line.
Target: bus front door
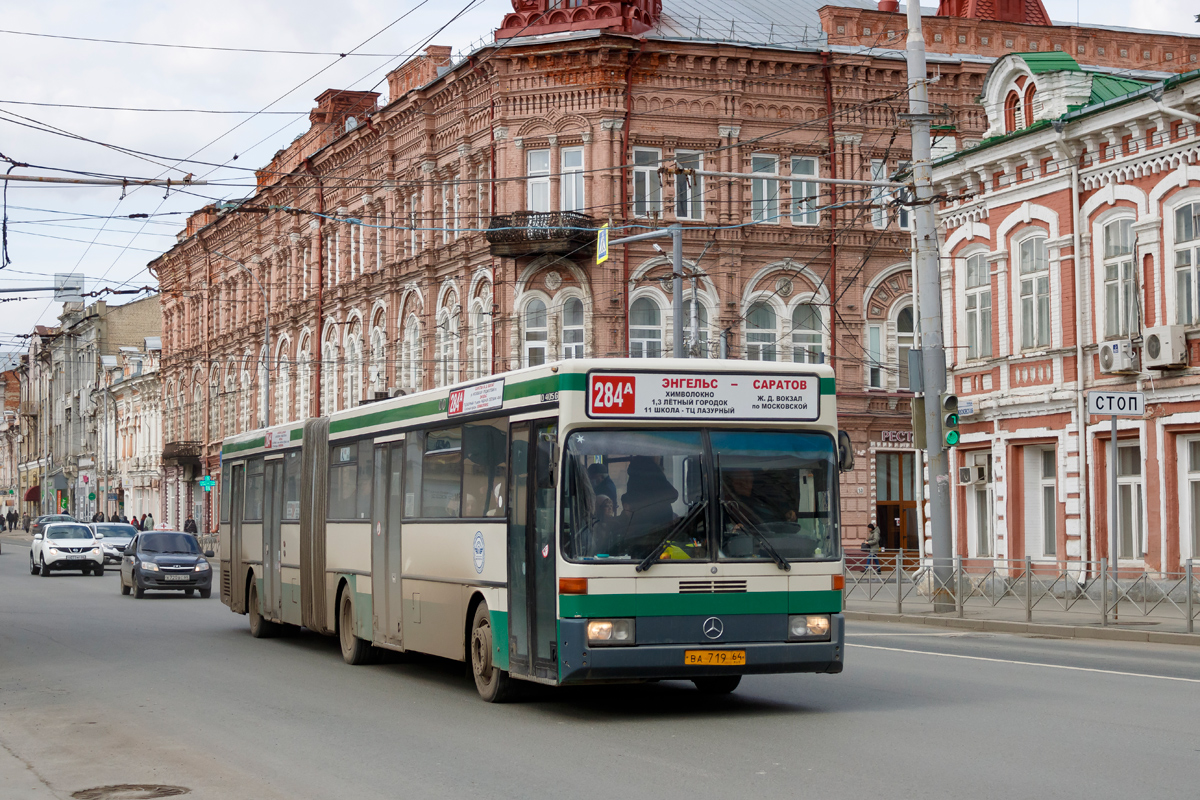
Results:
272 515
532 591
237 568
385 544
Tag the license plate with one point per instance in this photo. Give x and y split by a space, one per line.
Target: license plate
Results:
176 577
76 557
714 658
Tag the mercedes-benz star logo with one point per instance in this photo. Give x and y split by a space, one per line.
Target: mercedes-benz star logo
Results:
713 628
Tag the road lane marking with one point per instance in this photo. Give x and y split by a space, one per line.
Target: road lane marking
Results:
1027 663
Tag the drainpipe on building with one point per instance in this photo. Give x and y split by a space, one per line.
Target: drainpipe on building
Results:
833 173
1081 419
624 198
320 344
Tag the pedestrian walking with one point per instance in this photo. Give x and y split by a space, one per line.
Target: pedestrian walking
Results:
873 547
148 522
189 525
12 519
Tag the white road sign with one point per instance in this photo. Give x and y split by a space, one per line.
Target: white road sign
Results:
1116 404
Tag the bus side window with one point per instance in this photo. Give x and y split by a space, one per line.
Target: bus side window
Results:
343 481
291 486
366 469
253 507
485 468
414 448
225 470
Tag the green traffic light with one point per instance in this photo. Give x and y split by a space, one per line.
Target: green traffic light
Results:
952 438
952 420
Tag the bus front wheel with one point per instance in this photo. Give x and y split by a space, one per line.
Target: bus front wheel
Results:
493 683
355 651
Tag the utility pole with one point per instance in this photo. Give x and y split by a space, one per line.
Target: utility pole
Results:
933 352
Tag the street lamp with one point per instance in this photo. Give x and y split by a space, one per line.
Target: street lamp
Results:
266 338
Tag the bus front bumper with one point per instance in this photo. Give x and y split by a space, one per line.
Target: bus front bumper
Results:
666 661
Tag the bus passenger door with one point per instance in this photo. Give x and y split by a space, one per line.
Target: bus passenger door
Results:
272 515
532 592
385 544
237 582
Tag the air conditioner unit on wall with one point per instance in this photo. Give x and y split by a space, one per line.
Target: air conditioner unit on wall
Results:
973 475
1165 347
1117 357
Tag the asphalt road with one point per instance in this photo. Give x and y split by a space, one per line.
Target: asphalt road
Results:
97 689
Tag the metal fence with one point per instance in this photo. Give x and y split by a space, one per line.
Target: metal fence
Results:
1062 592
210 541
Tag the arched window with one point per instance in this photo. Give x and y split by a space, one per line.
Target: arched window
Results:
645 329
378 376
1030 91
572 328
352 386
214 405
1012 112
303 383
264 389
230 426
806 334
197 412
447 342
1186 244
536 333
481 339
1119 291
411 355
905 332
283 389
329 376
246 398
761 333
696 336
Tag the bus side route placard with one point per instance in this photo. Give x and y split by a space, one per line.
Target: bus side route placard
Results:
734 396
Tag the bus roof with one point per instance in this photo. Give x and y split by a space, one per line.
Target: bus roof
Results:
509 391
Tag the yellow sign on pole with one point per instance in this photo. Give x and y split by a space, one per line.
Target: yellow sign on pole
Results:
602 244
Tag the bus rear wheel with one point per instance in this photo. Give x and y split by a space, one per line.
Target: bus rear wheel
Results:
717 684
355 651
260 626
494 684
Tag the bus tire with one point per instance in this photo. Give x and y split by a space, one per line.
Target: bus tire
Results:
260 626
717 684
355 651
494 684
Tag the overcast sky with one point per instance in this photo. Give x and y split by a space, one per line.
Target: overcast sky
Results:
55 229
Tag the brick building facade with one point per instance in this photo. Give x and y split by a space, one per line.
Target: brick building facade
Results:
444 234
1069 264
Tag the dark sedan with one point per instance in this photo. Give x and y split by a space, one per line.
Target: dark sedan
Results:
39 524
166 560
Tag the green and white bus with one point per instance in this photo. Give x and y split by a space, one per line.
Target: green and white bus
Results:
581 522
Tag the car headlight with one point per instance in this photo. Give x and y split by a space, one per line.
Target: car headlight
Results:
150 566
202 566
808 627
610 632
95 551
54 550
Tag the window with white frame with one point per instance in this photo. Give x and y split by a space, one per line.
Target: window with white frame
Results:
1120 293
481 343
411 354
1187 264
696 335
1049 473
283 389
1131 538
1041 506
378 371
1192 497
879 195
979 308
304 385
352 386
806 334
875 356
571 189
647 186
1035 293
806 195
689 189
329 377
764 192
982 510
537 172
762 333
905 335
645 329
446 366
537 333
572 328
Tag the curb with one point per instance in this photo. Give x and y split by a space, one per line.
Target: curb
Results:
1005 626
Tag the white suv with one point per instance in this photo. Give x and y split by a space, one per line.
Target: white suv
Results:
66 545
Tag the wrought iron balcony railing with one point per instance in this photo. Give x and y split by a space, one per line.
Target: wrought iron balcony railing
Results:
536 232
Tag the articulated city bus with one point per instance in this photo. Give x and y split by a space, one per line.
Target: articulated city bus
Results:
586 521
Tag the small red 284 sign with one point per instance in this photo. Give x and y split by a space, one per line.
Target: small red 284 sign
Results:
612 394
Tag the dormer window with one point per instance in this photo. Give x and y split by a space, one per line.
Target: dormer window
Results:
1013 113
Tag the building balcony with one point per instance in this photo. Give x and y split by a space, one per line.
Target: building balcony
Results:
182 453
527 233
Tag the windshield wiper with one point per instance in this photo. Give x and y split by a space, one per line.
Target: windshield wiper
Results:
693 513
734 509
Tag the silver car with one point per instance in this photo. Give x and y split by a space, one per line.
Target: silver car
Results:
116 536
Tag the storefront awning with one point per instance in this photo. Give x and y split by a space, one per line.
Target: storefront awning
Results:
33 494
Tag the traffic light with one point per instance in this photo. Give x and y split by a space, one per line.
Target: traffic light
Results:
918 423
950 420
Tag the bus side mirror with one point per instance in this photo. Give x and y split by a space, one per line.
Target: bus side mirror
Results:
845 452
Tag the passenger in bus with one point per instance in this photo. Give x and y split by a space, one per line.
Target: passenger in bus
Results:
603 487
646 509
756 501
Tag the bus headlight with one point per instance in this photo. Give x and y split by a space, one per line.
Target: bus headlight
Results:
808 627
610 632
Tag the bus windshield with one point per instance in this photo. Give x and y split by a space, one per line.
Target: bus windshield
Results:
733 495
